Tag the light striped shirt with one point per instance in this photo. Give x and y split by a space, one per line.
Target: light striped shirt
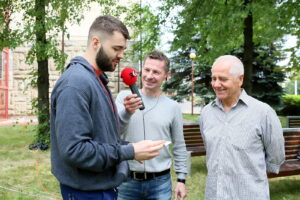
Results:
241 145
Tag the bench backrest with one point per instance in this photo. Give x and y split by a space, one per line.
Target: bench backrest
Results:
293 121
194 141
292 142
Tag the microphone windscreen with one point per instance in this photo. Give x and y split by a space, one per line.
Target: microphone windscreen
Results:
129 76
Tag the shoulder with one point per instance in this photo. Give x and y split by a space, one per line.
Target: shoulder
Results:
206 108
77 76
259 105
168 101
261 109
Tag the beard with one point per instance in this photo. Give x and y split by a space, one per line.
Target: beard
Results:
103 61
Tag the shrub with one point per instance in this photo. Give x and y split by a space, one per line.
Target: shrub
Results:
291 105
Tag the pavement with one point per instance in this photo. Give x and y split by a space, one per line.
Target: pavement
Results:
19 120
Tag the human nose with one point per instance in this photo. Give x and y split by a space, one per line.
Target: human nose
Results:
216 83
120 55
149 75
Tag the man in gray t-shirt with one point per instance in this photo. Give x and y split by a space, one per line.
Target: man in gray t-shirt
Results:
160 120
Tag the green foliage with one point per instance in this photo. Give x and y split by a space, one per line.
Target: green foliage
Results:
291 105
180 81
266 77
42 21
290 87
8 38
146 30
43 128
214 29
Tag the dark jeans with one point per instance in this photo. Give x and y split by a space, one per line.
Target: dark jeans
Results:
69 193
159 188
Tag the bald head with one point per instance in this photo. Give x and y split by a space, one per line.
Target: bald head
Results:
235 64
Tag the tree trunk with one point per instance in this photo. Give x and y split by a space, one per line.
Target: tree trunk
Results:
248 49
43 73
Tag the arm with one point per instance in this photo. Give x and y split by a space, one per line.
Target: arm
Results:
180 154
123 114
76 144
201 126
127 104
273 141
74 133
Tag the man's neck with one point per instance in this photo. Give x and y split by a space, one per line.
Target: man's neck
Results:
151 92
91 60
227 105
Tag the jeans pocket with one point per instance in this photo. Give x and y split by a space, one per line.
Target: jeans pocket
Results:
163 179
71 196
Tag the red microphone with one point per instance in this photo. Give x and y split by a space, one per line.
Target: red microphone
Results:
129 77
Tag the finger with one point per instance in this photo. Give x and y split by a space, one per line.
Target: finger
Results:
133 102
157 142
130 96
175 195
156 148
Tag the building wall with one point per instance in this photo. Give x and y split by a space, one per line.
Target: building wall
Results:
21 93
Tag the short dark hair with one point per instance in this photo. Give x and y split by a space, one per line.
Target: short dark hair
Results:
158 55
107 24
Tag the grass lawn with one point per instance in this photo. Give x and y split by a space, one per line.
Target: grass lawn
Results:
25 174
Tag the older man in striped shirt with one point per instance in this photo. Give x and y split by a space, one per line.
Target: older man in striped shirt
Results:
243 137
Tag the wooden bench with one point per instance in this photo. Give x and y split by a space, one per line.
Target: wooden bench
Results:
193 140
291 166
293 121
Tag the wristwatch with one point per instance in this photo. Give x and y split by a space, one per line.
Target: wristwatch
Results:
181 180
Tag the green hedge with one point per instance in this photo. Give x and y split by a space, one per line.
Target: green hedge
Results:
291 105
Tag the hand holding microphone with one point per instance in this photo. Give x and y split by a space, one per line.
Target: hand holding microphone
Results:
129 77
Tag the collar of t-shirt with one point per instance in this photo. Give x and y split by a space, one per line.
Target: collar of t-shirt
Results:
103 83
97 71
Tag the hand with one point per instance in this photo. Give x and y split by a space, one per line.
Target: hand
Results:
180 191
132 102
147 149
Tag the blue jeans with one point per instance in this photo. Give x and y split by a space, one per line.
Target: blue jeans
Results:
159 188
69 193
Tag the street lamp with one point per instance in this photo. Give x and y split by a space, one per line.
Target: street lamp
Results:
192 56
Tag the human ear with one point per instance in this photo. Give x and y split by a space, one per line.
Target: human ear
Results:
95 42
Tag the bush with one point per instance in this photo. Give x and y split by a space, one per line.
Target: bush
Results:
291 105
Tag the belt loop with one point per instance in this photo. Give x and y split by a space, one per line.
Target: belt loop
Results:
145 175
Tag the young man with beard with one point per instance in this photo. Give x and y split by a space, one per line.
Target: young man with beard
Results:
243 137
87 155
160 120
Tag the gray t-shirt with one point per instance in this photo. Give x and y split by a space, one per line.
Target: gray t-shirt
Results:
160 120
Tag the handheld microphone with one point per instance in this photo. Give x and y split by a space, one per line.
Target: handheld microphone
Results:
129 77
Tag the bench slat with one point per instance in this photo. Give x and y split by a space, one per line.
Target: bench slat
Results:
288 168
